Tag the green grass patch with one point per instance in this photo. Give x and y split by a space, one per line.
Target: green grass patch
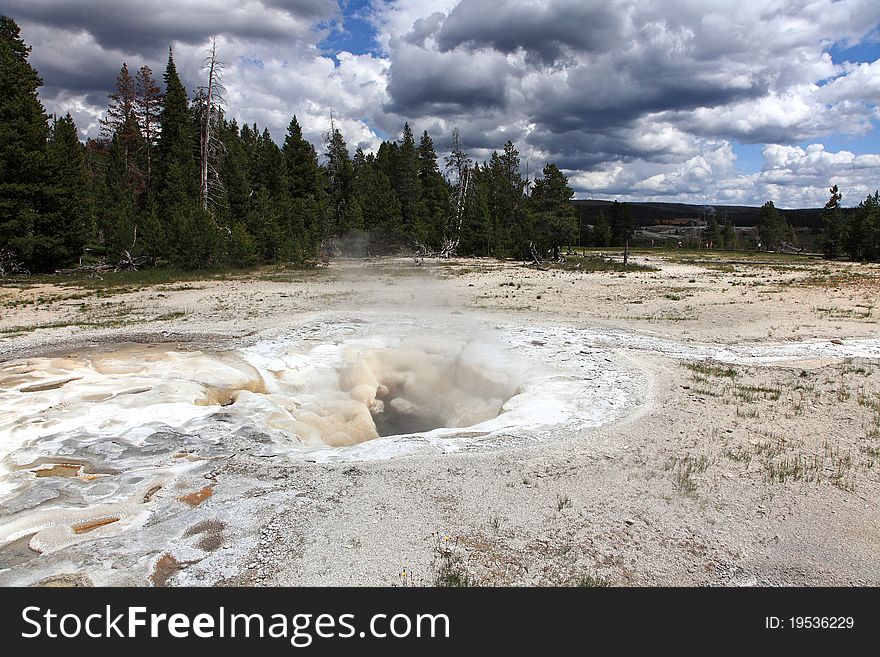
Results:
590 580
594 263
749 393
710 369
684 470
449 568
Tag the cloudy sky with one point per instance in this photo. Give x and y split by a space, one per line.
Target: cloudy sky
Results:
699 101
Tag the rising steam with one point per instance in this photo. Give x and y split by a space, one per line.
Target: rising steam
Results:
337 395
412 388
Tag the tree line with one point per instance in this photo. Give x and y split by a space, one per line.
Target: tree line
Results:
853 235
172 179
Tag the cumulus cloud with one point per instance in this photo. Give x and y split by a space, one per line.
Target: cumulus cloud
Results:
425 83
543 30
274 66
636 99
141 26
791 176
791 173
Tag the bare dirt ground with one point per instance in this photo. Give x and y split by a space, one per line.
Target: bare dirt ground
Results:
726 471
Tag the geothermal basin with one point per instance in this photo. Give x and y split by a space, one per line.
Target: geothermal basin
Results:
682 425
110 441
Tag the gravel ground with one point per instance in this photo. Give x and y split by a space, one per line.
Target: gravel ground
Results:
746 454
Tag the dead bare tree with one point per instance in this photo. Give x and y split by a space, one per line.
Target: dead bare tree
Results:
10 264
453 234
459 173
329 249
130 262
127 262
210 100
788 247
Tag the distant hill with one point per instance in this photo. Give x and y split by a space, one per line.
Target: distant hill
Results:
647 214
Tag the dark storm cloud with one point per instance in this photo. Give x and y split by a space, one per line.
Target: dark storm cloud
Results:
544 32
580 150
309 9
144 26
565 65
79 46
423 28
91 83
585 105
440 84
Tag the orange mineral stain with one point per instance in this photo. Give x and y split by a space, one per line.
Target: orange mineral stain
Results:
48 385
91 525
149 495
197 497
59 470
165 567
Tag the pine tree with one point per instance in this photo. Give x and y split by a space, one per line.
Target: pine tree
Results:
602 231
148 111
713 234
773 229
833 240
234 173
303 172
506 204
408 189
191 234
728 235
386 158
435 194
477 230
74 204
178 172
555 218
863 236
114 200
301 219
292 241
27 230
345 212
242 251
621 224
267 166
263 223
151 242
122 122
124 185
378 202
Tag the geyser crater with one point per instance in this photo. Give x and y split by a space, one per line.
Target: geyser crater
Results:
335 388
414 386
103 441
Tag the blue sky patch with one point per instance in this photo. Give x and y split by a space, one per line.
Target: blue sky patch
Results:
356 34
866 51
